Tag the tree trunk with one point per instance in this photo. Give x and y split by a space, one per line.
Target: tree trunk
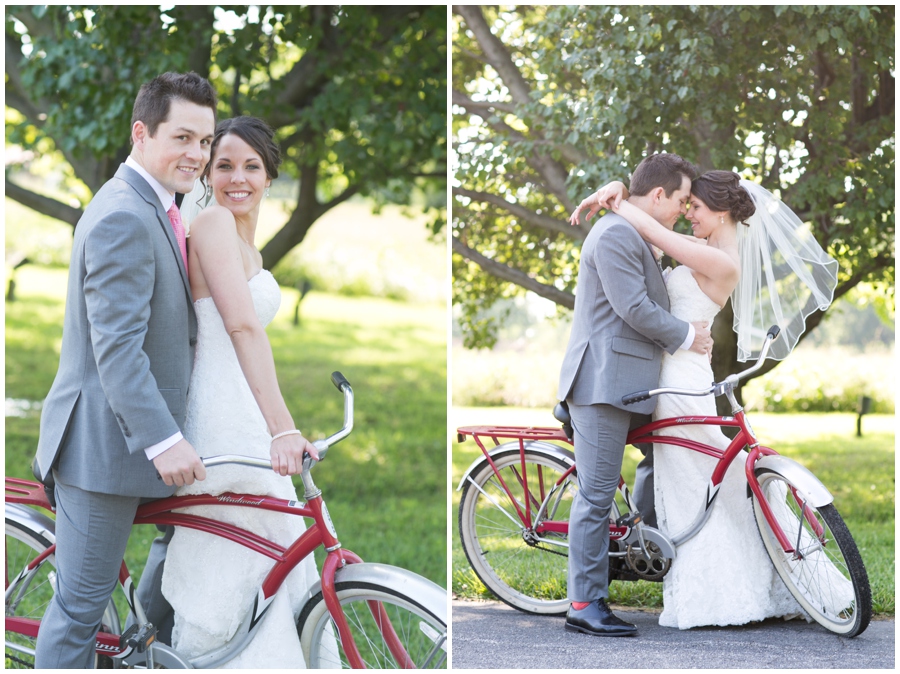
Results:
724 356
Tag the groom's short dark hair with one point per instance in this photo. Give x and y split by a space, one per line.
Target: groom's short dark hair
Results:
154 100
661 170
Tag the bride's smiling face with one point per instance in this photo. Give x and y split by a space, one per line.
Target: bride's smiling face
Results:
703 220
238 175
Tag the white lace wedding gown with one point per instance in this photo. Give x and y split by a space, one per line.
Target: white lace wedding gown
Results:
723 575
209 581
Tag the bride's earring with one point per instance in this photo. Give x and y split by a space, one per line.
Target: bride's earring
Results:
267 191
208 191
722 220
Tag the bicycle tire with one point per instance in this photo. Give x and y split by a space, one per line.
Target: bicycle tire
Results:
529 577
417 620
829 581
27 596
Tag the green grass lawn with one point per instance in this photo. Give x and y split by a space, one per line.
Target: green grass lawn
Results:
859 472
385 485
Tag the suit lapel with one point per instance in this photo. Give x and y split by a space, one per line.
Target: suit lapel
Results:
147 194
657 265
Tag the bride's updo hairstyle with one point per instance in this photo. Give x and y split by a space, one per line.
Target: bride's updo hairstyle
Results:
257 134
721 191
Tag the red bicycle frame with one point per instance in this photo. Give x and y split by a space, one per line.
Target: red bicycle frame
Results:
643 434
161 512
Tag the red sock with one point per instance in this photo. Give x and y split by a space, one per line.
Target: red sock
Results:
580 605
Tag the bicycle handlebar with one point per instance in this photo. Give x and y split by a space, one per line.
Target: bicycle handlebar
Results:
341 384
716 388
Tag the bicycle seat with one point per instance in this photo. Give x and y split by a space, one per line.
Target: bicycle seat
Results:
561 414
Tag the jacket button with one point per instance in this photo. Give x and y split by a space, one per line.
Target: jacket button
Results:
193 341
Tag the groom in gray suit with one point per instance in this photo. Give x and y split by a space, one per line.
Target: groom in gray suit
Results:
621 326
111 424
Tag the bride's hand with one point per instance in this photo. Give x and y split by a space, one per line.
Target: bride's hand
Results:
287 454
609 197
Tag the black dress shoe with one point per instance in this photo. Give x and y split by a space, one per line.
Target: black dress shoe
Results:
597 619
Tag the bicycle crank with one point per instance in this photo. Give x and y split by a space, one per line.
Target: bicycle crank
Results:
648 563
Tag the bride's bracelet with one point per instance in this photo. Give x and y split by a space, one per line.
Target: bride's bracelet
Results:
293 431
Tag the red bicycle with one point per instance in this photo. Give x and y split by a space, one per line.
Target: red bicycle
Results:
515 504
359 615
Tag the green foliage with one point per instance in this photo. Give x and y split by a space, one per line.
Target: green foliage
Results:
357 95
801 384
91 62
798 97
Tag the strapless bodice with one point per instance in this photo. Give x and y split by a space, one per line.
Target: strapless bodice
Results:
687 300
266 300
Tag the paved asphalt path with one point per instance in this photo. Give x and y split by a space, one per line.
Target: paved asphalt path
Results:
494 636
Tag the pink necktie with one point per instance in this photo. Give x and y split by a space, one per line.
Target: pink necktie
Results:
178 227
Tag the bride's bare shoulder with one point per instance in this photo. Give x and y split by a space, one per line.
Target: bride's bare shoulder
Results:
216 218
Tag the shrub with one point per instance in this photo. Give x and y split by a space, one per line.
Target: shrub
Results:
812 379
829 379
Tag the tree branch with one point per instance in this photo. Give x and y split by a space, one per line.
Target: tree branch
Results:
463 101
536 219
352 190
495 52
506 273
44 205
571 153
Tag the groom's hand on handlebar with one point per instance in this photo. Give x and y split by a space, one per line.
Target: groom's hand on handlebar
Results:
287 454
180 465
703 342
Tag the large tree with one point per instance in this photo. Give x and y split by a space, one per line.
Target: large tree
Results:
550 103
357 95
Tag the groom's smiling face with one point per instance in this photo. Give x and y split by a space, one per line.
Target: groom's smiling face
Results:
179 150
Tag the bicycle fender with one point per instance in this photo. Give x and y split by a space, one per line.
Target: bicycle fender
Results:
812 490
414 585
536 446
32 519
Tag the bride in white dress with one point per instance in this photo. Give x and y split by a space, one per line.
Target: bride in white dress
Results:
235 407
723 575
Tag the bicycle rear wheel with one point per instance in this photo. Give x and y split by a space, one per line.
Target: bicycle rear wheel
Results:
826 573
29 590
407 629
527 573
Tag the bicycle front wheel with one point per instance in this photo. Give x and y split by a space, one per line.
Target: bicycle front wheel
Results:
825 573
397 622
523 568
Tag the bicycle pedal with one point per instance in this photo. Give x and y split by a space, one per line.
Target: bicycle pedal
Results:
629 519
139 637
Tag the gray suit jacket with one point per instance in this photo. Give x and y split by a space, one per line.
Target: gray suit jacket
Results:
127 347
621 322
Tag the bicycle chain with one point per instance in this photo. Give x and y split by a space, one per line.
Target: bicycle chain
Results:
555 552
